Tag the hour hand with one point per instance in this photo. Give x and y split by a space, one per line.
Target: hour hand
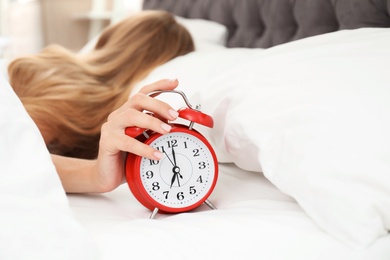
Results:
173 179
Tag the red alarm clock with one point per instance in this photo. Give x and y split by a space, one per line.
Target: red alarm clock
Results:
186 176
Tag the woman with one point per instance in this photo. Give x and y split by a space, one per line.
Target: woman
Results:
70 96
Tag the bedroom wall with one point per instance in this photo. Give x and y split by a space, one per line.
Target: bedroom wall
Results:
61 23
21 28
72 23
29 25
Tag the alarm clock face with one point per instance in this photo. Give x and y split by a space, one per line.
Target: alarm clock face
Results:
185 176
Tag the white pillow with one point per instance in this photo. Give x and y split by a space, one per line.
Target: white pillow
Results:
35 219
314 116
207 35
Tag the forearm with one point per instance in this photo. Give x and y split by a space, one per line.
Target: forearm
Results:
77 175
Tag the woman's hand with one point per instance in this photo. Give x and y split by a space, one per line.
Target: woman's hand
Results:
107 172
114 142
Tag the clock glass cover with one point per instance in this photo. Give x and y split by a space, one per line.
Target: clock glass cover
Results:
184 176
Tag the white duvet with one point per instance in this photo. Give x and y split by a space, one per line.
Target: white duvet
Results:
35 220
301 131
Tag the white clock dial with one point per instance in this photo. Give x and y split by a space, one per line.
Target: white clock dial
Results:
184 176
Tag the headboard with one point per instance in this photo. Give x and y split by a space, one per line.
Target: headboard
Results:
265 23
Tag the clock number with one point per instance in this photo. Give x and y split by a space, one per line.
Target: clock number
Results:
161 149
196 152
155 186
202 165
200 180
172 143
180 196
153 162
185 145
149 174
166 194
192 190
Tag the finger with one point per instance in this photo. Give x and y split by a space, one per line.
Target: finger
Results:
141 102
164 84
133 117
121 142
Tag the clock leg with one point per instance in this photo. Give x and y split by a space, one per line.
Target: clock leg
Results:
154 213
208 203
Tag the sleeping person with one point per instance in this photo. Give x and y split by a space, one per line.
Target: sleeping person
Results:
81 102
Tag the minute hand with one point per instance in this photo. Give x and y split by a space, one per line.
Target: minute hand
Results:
174 169
169 158
174 162
174 156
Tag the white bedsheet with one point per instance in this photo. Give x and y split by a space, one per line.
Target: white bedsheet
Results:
254 220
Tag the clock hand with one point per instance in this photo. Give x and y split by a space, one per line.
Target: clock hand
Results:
174 156
176 174
174 159
181 176
176 170
178 181
173 178
169 158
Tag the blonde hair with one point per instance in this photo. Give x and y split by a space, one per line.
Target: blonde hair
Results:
72 94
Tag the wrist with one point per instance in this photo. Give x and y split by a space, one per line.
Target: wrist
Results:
107 173
76 175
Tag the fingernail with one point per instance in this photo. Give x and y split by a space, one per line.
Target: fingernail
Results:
173 113
166 127
158 155
172 80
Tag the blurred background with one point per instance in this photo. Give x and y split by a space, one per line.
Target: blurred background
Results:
26 26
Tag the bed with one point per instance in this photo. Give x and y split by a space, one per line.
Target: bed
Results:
299 92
